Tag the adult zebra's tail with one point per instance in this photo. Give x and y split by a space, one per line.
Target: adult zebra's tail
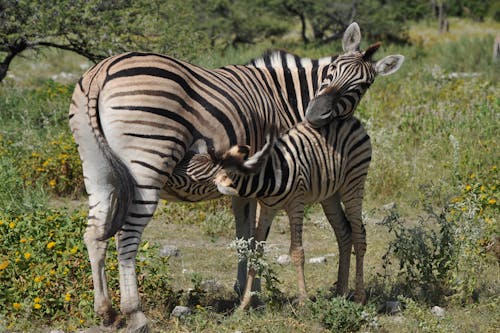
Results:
96 154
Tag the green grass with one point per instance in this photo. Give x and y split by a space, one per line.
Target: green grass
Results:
434 138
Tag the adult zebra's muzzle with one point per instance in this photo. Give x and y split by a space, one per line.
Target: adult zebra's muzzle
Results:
320 110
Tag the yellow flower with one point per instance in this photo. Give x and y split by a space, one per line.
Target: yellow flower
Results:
37 300
492 201
468 187
4 265
12 225
38 279
67 297
472 176
51 245
16 306
22 240
1 222
27 255
52 272
483 188
52 183
82 321
74 250
37 306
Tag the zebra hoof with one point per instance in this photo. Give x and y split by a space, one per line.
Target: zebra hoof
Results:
137 323
110 318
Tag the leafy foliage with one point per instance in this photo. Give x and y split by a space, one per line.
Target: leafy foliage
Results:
44 271
443 253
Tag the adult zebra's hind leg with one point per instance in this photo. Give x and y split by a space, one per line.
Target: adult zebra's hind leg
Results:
341 227
127 243
99 214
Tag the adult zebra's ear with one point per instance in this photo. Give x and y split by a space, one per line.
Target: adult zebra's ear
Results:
352 38
389 64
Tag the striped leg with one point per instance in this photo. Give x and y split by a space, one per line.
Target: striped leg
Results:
244 213
266 216
353 212
99 212
296 218
127 244
335 215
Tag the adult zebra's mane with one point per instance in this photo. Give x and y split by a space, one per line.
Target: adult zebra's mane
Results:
287 60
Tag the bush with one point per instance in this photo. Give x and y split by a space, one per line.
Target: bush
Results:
443 254
341 315
45 274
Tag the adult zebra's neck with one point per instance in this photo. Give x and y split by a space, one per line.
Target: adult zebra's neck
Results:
296 80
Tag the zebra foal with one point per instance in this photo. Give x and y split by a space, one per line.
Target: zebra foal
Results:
302 166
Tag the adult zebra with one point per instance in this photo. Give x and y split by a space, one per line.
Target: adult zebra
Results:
137 117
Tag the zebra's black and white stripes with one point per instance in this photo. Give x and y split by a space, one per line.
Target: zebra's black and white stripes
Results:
307 165
138 117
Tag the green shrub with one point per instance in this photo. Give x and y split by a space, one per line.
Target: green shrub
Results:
444 254
56 165
340 315
45 274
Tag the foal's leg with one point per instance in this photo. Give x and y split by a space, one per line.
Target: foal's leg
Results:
296 218
265 218
341 227
353 212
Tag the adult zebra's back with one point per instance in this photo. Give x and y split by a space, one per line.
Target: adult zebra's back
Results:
137 117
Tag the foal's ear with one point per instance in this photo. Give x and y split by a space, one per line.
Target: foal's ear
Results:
389 64
352 38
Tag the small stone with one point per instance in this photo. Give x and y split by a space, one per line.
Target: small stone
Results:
389 206
56 331
317 260
169 251
180 311
437 311
284 259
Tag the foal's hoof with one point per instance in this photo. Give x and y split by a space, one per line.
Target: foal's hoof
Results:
137 323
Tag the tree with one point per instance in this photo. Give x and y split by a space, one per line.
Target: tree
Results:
93 29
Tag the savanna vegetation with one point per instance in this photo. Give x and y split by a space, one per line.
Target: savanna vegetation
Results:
431 204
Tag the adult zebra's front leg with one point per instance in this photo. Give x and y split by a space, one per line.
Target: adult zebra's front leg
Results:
244 210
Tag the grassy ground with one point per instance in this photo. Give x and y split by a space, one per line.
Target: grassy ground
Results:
434 130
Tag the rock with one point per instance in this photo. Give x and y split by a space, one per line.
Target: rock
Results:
389 206
180 311
284 259
437 311
317 260
169 251
211 286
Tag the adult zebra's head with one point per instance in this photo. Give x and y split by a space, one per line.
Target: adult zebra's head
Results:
347 79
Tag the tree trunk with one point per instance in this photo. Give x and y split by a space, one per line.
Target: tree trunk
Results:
13 50
303 30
